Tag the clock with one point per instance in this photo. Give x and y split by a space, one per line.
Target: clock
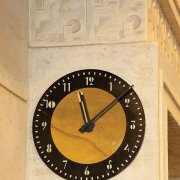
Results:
89 124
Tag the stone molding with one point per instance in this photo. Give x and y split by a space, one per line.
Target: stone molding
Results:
160 31
171 9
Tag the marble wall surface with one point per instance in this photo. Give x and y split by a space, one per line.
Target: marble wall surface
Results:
13 88
136 63
73 22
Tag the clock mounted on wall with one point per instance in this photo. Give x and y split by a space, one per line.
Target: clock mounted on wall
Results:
89 124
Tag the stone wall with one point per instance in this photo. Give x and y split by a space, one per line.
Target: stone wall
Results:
59 23
128 61
58 27
13 88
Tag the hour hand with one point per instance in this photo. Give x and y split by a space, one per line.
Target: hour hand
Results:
89 127
83 107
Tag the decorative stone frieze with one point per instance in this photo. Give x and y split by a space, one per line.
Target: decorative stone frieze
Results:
159 31
78 22
73 22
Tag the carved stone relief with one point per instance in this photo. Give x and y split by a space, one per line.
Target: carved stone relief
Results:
57 22
68 22
116 20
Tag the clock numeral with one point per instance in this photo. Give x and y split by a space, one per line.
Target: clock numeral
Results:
44 125
109 166
67 87
127 148
89 81
50 104
65 163
110 86
87 172
127 101
133 126
49 148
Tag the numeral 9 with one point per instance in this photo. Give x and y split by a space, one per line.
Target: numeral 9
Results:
44 125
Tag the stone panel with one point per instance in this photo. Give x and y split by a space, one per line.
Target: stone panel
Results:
57 22
136 63
73 22
116 21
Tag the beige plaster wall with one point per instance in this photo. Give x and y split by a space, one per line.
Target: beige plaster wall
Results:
12 136
13 45
13 88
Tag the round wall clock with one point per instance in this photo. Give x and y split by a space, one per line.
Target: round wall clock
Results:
89 124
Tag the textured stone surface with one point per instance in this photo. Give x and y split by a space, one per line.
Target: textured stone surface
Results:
72 22
13 115
135 63
13 46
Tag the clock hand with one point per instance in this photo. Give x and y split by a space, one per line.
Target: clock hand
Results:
109 106
85 128
84 112
83 107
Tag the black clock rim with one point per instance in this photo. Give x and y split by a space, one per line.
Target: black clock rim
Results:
97 70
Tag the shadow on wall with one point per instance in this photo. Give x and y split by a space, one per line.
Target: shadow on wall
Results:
173 148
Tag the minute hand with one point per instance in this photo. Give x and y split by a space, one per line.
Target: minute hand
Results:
109 106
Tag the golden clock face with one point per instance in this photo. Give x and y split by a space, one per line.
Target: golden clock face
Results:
88 125
99 144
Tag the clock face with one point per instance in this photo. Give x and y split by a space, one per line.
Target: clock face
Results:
89 124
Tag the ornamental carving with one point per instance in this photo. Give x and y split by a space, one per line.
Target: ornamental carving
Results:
69 22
